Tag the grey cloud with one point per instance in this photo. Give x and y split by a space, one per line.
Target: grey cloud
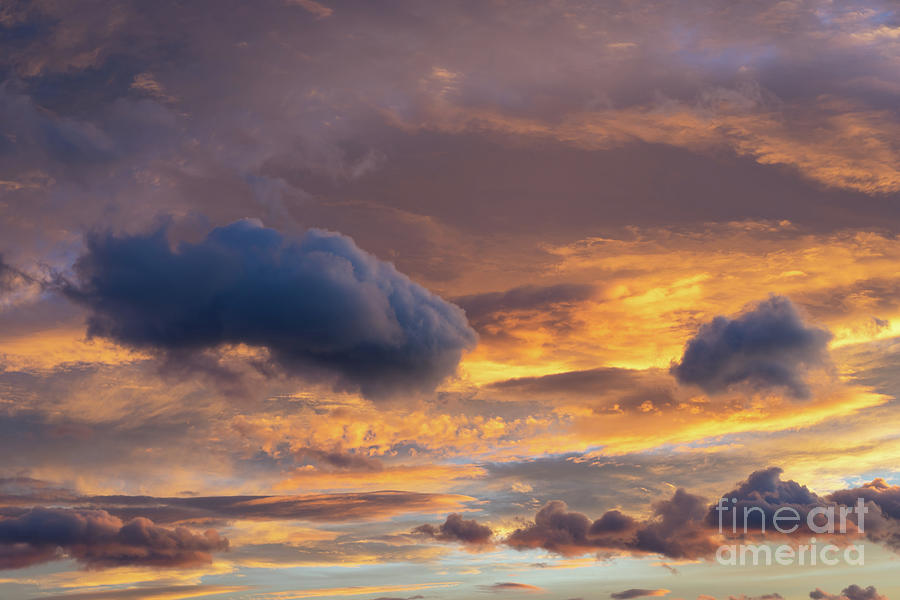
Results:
767 346
457 529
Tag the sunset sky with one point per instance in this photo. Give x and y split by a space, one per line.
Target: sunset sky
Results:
439 300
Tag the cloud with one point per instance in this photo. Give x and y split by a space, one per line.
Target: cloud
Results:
509 586
687 526
605 389
457 529
886 496
356 590
311 507
320 11
479 307
852 592
15 285
9 277
676 529
589 381
883 517
497 316
337 460
555 529
168 592
767 346
766 491
99 539
637 593
316 302
744 119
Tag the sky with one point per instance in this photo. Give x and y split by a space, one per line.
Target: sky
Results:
409 300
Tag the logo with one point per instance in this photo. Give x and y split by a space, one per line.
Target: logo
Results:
749 521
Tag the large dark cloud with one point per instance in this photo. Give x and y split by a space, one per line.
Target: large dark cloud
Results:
315 302
767 346
99 539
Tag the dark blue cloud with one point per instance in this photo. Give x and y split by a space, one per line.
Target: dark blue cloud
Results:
768 346
317 303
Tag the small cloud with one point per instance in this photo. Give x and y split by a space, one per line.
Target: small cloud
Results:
638 593
510 587
146 83
457 529
311 6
